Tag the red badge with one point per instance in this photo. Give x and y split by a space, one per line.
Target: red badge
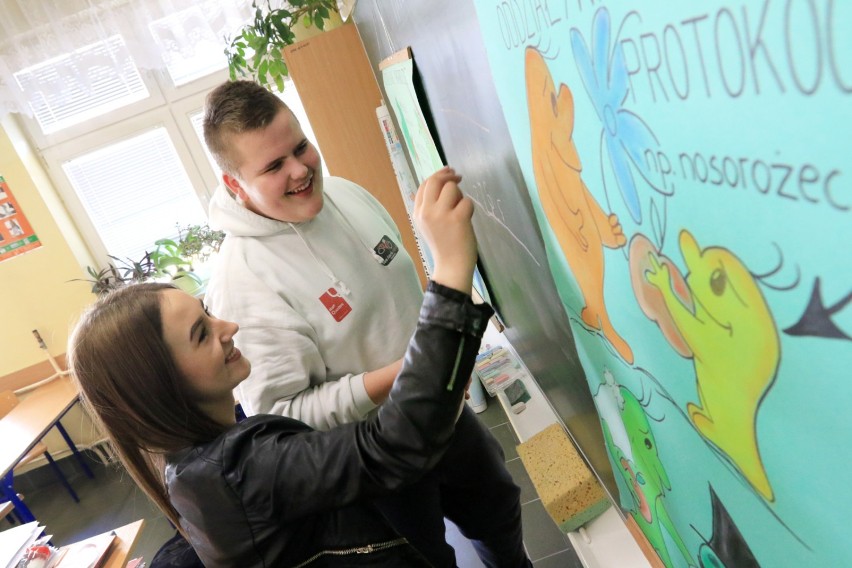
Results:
336 305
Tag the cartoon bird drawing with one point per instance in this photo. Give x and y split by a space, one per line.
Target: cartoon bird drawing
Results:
582 228
730 334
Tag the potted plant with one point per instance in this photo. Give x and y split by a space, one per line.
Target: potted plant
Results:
170 263
199 242
119 272
256 50
179 259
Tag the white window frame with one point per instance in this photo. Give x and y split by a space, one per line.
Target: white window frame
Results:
180 111
168 106
196 165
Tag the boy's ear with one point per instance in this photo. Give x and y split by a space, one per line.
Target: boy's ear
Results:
234 185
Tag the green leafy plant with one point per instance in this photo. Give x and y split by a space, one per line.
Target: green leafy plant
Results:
172 258
118 273
168 259
255 52
199 241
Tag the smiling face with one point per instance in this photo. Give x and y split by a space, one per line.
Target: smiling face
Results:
203 350
279 174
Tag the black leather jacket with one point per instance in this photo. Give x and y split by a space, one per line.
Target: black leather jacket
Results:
272 492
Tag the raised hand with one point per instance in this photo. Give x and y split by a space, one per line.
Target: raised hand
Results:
443 216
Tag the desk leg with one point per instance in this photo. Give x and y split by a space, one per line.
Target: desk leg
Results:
74 449
22 511
61 477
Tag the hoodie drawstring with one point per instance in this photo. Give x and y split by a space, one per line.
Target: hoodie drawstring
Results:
338 284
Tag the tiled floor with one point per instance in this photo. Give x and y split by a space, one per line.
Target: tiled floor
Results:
112 499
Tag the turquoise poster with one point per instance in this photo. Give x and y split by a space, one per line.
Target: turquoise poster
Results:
690 172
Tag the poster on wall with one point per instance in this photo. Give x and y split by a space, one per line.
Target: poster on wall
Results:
689 172
398 80
16 234
404 179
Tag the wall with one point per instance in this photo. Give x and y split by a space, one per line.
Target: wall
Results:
34 286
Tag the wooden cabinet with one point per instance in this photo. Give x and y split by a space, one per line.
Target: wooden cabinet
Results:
340 94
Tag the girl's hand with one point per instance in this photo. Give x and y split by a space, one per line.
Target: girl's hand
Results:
443 216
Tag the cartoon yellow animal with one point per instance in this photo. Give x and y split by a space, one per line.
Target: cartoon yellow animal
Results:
580 225
735 349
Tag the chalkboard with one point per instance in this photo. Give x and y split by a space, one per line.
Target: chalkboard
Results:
461 99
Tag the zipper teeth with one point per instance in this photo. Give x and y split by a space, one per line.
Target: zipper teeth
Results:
366 549
456 365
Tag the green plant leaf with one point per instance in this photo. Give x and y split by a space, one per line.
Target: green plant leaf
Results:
171 261
270 31
190 275
262 69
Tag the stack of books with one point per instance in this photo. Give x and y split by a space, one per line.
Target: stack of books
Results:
26 546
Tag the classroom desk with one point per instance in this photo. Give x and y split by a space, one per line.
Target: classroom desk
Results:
29 421
126 538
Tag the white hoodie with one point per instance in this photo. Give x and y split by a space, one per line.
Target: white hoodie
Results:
288 284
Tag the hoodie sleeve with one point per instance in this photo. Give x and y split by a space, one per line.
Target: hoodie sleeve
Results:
288 374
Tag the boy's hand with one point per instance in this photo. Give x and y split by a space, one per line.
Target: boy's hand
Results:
443 215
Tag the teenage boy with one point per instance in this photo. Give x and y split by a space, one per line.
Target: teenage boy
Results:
327 299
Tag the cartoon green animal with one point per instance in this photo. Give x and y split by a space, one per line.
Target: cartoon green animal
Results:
646 477
735 349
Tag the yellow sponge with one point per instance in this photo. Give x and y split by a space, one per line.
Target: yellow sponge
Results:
569 491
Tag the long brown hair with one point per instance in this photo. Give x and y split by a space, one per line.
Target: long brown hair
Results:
130 383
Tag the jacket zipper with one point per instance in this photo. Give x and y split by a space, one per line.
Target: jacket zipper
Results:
367 549
456 365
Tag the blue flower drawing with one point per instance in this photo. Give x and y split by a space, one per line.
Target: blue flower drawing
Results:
627 137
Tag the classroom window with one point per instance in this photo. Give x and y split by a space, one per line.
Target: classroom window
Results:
131 181
118 118
197 120
135 191
95 79
190 48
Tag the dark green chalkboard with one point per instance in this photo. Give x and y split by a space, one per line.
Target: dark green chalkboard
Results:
468 123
